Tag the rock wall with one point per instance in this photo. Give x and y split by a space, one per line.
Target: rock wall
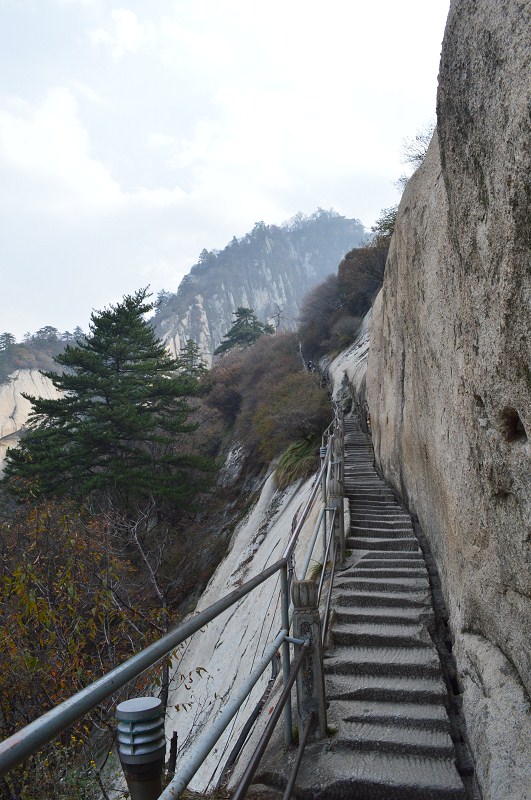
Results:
347 371
15 409
449 379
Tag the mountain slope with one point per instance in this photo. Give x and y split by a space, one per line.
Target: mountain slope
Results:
269 270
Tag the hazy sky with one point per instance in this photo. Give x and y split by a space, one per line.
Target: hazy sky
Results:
134 135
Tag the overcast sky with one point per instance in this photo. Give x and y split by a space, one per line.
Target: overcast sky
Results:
134 135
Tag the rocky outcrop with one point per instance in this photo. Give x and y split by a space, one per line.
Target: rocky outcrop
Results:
347 371
15 409
449 381
269 270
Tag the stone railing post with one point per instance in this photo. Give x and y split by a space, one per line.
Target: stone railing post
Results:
310 680
335 500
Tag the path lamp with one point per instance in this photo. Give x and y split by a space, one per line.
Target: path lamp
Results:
142 746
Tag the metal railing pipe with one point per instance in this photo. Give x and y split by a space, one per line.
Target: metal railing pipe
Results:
256 757
285 622
207 742
326 614
295 535
325 554
47 727
300 752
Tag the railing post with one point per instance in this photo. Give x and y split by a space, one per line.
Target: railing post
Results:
335 500
310 680
284 611
323 479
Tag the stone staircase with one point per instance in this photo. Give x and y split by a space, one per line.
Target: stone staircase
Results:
390 731
384 680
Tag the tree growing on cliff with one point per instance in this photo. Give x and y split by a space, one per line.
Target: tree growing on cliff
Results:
414 150
113 431
244 332
360 276
191 362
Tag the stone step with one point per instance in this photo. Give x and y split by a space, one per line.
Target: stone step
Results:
364 477
374 506
382 614
385 688
381 522
378 502
382 584
366 482
385 739
383 571
355 598
387 661
367 543
422 716
345 774
362 468
390 555
387 776
381 533
381 634
360 571
367 493
392 563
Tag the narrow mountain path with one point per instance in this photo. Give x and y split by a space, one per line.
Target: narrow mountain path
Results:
384 681
390 734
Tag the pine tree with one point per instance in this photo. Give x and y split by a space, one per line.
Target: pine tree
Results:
245 330
191 362
113 432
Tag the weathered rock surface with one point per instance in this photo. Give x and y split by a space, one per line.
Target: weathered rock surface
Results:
15 409
270 270
347 372
449 379
220 657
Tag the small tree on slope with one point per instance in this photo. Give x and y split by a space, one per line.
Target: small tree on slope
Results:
245 331
113 432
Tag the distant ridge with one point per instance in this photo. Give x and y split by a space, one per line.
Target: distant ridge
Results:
269 269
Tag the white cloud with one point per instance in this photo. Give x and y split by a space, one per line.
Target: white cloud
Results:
48 142
90 94
49 146
95 4
124 34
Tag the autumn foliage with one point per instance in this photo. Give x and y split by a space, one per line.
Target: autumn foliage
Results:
64 622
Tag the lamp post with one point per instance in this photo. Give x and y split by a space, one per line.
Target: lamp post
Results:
142 746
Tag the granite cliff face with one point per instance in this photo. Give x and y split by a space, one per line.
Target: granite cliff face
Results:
269 270
449 380
15 409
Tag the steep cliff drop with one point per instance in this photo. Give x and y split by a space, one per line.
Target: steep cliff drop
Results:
449 380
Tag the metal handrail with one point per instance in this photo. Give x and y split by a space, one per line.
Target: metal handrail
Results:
309 503
209 739
47 727
298 760
326 613
34 736
268 731
327 551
